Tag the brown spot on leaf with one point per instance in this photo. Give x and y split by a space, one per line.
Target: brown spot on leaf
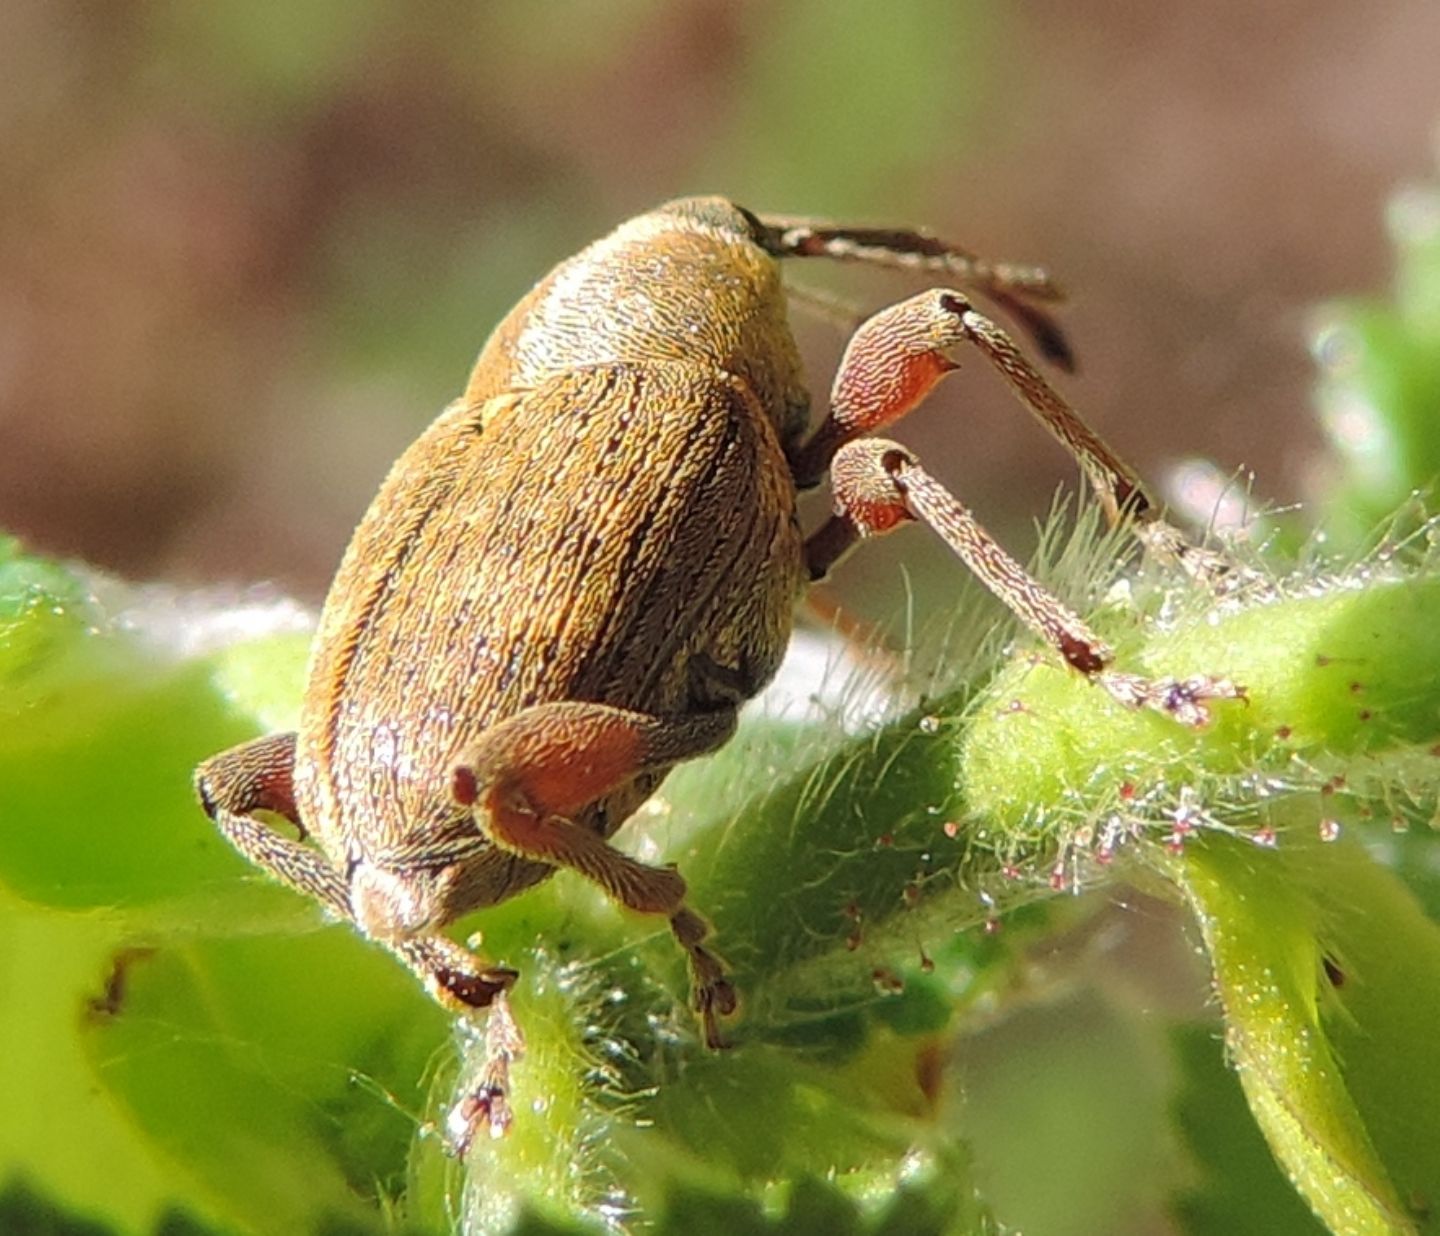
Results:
110 1002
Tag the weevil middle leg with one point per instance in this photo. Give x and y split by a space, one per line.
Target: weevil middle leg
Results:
879 484
526 777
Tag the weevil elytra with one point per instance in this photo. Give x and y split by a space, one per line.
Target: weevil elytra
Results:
576 576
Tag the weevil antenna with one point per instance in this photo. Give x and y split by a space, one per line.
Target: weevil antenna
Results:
1012 287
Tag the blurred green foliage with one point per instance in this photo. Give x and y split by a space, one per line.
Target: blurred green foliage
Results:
1379 391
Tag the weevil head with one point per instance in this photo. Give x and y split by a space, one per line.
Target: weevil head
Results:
719 214
688 281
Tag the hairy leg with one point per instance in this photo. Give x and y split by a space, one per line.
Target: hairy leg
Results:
880 485
897 357
525 778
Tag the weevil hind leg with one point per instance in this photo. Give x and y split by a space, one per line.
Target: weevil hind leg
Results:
526 779
259 776
879 485
713 994
478 994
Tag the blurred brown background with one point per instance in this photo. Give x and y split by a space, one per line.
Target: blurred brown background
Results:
248 250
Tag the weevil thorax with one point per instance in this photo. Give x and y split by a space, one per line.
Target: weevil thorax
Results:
685 282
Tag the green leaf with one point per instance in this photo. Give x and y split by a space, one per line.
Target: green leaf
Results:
1337 672
26 1212
1240 1187
290 1111
840 871
1328 971
1343 694
170 1042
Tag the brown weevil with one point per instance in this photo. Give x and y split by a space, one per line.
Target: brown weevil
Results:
578 574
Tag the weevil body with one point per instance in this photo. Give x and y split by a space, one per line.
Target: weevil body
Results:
607 517
581 570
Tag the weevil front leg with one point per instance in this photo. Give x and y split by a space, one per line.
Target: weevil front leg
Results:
526 778
897 357
879 485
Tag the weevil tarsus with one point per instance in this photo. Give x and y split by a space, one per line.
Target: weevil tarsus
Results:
484 1102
